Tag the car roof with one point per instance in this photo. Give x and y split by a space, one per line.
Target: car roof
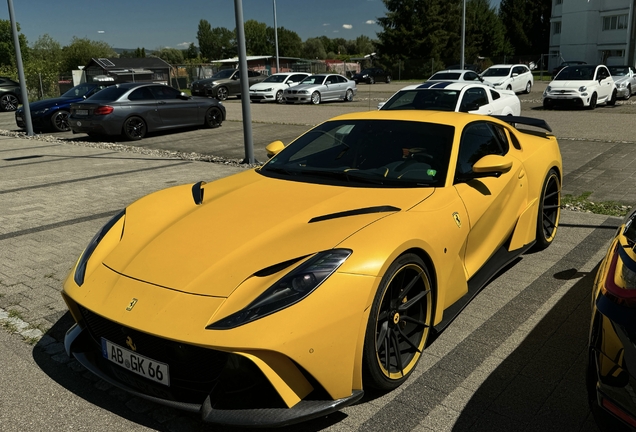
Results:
454 71
446 85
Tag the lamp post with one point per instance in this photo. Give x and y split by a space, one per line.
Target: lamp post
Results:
276 38
22 79
461 59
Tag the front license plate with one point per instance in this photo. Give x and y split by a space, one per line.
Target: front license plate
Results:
141 365
81 112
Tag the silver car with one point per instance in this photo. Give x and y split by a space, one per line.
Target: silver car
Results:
134 109
321 88
625 79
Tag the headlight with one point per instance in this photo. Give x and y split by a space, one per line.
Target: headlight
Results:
621 85
303 91
498 83
80 270
582 89
548 89
267 89
291 289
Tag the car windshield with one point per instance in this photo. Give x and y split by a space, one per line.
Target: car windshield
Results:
78 90
445 76
314 79
619 70
367 153
497 72
576 73
111 93
275 78
366 71
423 99
222 74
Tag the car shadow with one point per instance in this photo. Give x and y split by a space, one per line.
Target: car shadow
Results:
540 386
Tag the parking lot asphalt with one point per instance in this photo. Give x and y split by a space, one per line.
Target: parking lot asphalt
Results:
513 360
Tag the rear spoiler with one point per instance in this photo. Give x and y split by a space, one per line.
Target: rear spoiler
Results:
530 121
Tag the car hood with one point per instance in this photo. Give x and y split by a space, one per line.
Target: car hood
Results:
621 79
264 85
495 79
573 84
213 81
49 103
247 223
307 86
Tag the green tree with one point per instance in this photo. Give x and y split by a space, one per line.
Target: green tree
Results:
527 24
191 52
206 39
289 43
170 55
7 47
81 50
256 41
314 49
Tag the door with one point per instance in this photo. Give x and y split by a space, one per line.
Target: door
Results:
144 104
605 83
493 203
174 110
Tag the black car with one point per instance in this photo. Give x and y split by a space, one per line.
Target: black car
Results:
10 96
134 109
611 371
52 114
224 84
371 76
557 69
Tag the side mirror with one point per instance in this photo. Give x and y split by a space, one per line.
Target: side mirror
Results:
274 148
515 74
183 96
493 165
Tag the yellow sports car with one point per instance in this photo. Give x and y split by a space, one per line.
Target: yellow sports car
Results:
279 294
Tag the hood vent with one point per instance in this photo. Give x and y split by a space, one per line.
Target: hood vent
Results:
360 211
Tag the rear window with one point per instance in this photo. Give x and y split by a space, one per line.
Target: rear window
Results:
111 93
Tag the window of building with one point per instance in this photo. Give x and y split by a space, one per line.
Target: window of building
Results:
556 27
615 22
558 2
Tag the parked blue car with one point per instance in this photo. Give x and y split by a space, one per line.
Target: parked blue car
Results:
52 114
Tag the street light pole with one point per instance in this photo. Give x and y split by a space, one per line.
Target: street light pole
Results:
461 59
276 38
21 78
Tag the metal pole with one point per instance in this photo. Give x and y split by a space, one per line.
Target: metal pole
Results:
245 87
18 59
276 38
461 59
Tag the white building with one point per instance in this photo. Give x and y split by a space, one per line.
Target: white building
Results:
593 31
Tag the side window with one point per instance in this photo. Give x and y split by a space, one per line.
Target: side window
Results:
329 80
164 92
478 140
142 93
474 96
341 79
471 76
252 74
494 94
297 78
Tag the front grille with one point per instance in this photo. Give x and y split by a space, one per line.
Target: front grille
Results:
194 371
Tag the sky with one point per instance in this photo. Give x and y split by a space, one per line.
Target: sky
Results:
154 24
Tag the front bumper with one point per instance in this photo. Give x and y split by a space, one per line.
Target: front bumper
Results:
233 391
622 92
37 122
263 96
566 100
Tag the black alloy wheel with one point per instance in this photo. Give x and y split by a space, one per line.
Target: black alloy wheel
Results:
399 323
371 80
593 102
213 118
9 102
612 100
549 211
388 79
134 128
59 121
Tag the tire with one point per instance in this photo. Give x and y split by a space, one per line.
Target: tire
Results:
528 87
59 121
612 100
213 118
388 79
279 97
348 95
547 104
9 102
549 211
629 92
315 98
593 102
222 93
134 128
371 80
509 87
399 324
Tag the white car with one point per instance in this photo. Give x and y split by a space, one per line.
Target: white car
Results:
581 85
515 77
272 88
461 97
459 75
625 79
